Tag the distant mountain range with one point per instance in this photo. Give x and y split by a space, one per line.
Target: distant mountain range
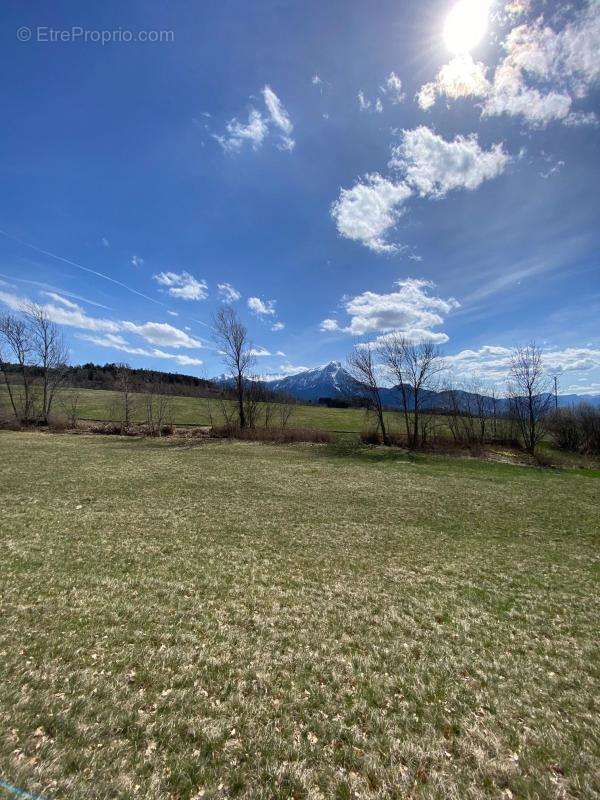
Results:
332 381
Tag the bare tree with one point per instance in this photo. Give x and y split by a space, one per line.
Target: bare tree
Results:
49 353
231 337
415 367
362 366
15 341
528 392
125 386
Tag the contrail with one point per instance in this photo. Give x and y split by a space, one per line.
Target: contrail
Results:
81 267
90 271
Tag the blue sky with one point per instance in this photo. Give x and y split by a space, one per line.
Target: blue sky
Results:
339 169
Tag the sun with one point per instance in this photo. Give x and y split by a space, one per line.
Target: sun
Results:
466 25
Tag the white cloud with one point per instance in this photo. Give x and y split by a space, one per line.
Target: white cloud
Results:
261 307
137 261
510 95
492 363
426 96
104 242
238 134
260 352
393 88
173 313
77 318
410 310
284 370
161 333
461 77
60 299
279 117
435 167
118 343
516 8
316 80
553 170
367 211
182 285
329 325
277 326
157 333
256 130
566 61
228 293
366 105
578 118
543 71
363 103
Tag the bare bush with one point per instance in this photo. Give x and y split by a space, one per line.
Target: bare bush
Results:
576 429
158 408
285 409
590 426
69 405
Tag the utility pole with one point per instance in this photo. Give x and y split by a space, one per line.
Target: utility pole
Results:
556 392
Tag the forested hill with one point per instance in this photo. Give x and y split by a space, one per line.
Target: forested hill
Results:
109 376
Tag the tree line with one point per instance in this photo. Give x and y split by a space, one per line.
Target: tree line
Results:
525 413
34 367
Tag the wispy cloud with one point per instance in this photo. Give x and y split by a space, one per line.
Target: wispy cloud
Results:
279 117
228 293
257 129
238 133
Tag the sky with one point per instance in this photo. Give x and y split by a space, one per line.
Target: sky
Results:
335 171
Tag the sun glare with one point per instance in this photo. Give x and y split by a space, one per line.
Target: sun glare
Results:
466 25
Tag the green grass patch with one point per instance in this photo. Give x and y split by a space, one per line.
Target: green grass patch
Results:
232 619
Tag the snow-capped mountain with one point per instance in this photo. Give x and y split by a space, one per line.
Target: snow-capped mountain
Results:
332 381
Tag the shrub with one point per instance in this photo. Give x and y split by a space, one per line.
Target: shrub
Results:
370 437
9 423
576 429
565 429
58 424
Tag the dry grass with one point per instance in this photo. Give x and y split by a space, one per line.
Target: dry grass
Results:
241 619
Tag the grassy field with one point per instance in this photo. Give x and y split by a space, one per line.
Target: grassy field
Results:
102 404
245 620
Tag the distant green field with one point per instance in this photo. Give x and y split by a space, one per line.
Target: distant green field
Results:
193 621
100 404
